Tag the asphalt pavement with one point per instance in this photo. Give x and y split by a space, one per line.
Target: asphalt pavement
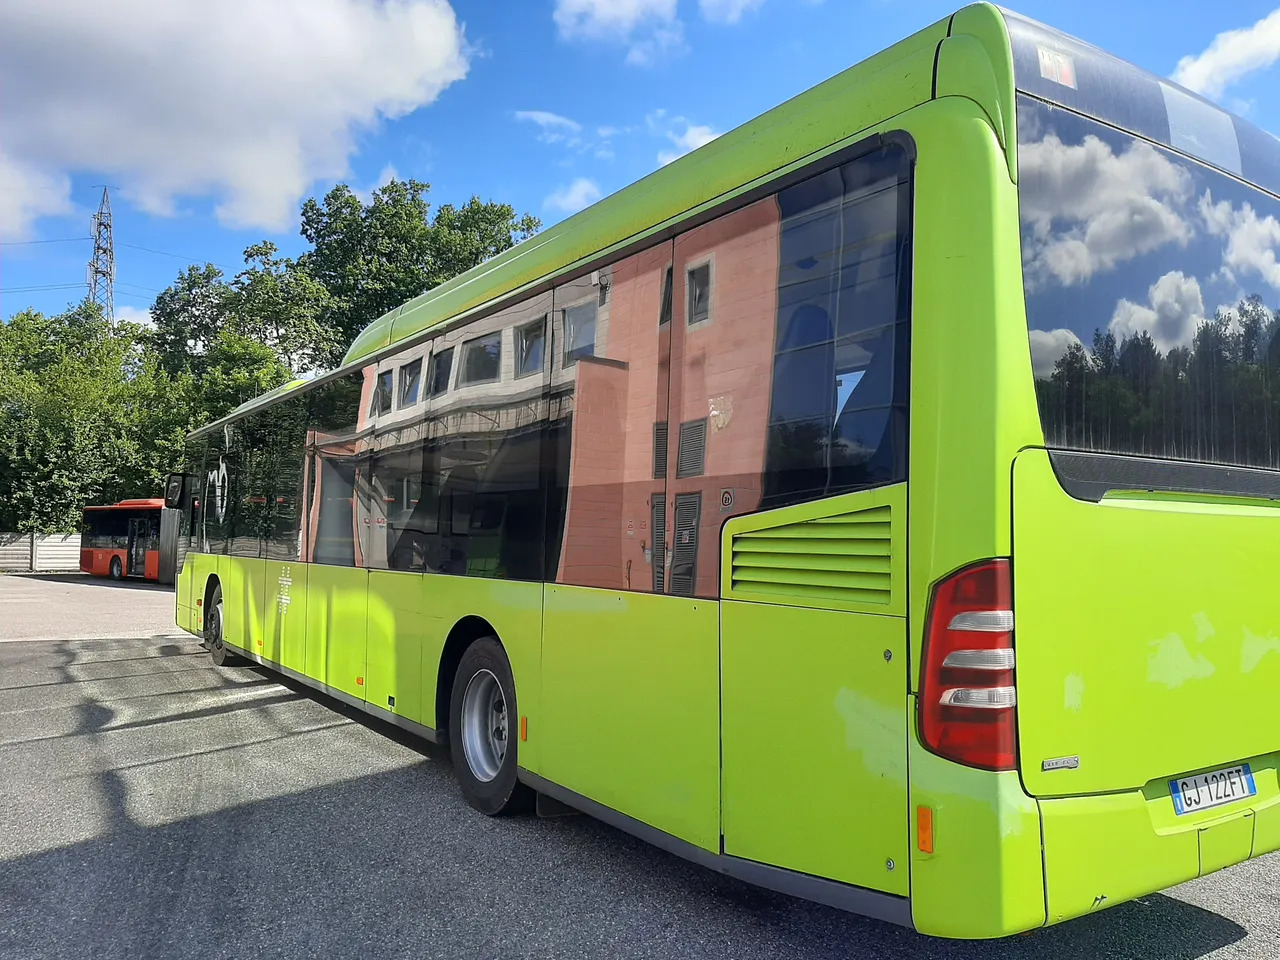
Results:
152 805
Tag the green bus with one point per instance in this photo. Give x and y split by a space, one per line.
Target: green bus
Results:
871 505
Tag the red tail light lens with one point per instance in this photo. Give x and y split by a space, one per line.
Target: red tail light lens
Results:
968 702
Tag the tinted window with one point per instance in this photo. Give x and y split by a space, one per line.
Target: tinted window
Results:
530 345
838 396
482 359
337 464
699 286
382 394
441 366
284 467
580 331
410 377
664 314
1151 284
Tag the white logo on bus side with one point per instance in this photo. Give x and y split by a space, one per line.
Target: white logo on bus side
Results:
218 481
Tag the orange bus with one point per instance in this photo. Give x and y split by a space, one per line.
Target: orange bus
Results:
126 539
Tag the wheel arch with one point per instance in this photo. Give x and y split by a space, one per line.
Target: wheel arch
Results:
464 633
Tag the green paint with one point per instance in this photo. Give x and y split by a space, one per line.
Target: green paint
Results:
984 878
398 629
244 601
631 706
1104 590
337 608
285 629
815 742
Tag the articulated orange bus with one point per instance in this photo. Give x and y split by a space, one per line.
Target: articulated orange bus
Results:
126 539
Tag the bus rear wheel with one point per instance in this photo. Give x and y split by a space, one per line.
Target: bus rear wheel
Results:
116 569
213 637
484 731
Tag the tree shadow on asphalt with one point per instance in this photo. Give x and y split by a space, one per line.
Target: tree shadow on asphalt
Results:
395 864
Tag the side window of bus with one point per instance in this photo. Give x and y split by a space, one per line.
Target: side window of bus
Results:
283 471
336 455
462 476
805 291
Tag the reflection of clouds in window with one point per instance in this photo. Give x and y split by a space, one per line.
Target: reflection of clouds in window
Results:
1173 310
1252 241
1090 209
1048 347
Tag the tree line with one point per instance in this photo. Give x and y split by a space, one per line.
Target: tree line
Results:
1215 400
92 412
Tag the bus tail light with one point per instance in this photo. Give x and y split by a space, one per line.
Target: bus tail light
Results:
968 701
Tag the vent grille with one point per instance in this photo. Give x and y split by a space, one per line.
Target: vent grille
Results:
845 558
658 521
691 455
660 450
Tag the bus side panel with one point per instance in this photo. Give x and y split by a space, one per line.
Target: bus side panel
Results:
284 631
398 628
151 566
337 613
815 742
243 600
985 876
190 588
632 705
514 610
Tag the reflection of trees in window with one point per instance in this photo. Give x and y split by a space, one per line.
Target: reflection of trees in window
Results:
482 358
1217 400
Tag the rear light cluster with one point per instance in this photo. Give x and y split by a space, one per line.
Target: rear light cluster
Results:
968 702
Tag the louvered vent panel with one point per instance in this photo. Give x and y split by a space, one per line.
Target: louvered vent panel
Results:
844 558
691 452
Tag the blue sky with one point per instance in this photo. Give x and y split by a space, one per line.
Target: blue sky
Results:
212 125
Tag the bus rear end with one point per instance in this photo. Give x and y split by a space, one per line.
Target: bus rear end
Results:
1142 638
1095 500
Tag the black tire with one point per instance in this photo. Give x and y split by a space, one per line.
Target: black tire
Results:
501 793
213 637
116 569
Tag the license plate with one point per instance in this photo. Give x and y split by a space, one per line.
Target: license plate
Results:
1207 790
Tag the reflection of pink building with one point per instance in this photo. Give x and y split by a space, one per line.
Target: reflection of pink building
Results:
716 370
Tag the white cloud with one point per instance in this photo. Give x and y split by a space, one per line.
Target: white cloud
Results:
1252 241
1232 55
138 315
685 136
385 176
1047 347
648 28
727 11
1173 310
553 128
1091 209
27 193
581 193
248 102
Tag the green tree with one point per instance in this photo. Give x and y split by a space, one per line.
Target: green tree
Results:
373 257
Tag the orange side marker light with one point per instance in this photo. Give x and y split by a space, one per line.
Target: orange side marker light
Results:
359 681
924 829
524 728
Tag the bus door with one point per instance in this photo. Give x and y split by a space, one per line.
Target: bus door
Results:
138 540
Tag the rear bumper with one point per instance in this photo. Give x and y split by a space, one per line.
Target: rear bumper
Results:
1103 850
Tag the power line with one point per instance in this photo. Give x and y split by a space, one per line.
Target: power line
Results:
137 286
27 243
177 256
47 286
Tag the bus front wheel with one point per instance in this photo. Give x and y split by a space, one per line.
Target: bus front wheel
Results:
484 731
222 657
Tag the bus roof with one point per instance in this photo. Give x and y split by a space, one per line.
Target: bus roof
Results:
150 503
